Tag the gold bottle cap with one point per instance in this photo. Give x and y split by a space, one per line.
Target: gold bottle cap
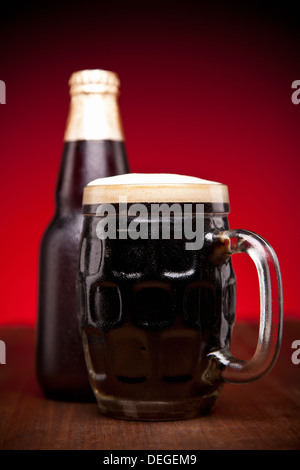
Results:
94 111
94 81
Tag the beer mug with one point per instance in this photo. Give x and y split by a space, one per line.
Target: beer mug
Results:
157 295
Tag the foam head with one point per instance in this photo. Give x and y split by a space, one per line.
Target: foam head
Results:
154 187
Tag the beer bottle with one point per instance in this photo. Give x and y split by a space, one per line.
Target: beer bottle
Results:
93 148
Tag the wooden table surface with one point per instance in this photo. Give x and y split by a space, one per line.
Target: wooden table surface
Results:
261 415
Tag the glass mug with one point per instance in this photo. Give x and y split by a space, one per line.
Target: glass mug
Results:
157 294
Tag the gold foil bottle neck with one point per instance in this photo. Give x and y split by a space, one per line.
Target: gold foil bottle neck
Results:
94 111
94 81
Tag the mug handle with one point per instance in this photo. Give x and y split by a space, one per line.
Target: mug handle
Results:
271 308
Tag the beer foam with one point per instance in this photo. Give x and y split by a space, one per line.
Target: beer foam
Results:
154 187
149 178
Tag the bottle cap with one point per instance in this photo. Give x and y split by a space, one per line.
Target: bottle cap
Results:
94 81
94 112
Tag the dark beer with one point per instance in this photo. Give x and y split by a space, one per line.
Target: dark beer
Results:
151 310
94 147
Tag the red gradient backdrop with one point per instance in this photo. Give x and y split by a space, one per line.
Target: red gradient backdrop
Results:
205 91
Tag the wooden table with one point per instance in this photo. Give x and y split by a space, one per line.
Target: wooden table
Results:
261 415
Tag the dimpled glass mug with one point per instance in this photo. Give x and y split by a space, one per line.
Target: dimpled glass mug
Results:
157 295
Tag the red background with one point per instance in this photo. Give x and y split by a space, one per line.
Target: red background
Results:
205 91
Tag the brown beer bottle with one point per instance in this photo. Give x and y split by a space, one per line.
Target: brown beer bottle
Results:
93 148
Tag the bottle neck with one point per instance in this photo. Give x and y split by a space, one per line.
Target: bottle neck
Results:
94 116
93 148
